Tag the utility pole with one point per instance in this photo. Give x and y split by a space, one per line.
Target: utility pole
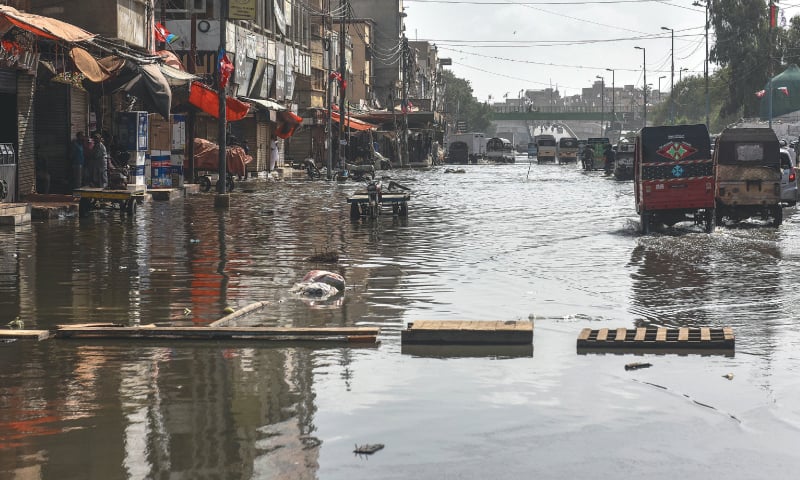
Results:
671 77
329 128
404 86
644 74
613 100
221 199
342 84
190 118
602 103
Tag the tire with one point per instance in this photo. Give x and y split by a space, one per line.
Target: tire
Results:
645 219
205 184
710 220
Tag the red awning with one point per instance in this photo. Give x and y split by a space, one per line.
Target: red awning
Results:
353 123
206 99
45 27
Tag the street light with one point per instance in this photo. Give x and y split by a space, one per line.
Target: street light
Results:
659 87
613 100
644 82
672 77
705 69
602 102
684 69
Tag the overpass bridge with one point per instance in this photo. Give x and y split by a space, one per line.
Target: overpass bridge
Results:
585 122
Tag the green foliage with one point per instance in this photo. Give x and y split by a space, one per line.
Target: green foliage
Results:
460 104
690 102
743 47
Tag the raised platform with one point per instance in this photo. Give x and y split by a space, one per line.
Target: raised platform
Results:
660 339
24 334
329 334
15 214
165 194
454 332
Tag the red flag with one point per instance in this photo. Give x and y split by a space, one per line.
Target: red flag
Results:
761 93
773 15
163 35
784 90
225 70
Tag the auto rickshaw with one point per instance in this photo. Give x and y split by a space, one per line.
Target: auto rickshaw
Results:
674 176
748 175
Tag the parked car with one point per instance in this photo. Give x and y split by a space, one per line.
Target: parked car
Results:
789 178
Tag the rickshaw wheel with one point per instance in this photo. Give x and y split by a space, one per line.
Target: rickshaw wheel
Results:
205 183
711 218
645 221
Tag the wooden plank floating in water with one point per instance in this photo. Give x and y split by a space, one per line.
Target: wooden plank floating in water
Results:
21 334
329 334
699 338
457 332
242 312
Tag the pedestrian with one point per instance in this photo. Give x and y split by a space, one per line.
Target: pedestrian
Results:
610 157
274 154
99 162
587 158
245 147
78 160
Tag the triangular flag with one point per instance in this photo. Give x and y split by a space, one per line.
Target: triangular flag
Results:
784 90
761 93
163 35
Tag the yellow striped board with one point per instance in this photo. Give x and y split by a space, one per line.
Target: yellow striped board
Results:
657 338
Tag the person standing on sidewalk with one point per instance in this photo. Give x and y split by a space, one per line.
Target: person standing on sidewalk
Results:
99 162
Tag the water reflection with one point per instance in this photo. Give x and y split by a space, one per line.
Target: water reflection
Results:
494 243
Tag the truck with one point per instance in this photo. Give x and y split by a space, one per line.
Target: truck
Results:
476 144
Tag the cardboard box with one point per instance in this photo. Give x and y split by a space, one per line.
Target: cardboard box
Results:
178 123
160 133
160 175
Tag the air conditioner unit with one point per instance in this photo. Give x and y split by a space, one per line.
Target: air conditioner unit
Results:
186 6
207 34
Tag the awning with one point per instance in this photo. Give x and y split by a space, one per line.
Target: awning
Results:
176 77
207 99
353 123
266 104
45 27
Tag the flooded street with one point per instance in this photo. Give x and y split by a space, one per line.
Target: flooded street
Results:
512 242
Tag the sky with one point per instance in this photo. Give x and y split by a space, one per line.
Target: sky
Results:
504 47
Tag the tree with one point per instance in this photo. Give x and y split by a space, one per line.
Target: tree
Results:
743 46
460 104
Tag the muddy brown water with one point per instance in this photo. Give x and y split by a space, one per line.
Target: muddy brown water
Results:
550 243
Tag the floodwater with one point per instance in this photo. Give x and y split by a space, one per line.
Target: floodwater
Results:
549 243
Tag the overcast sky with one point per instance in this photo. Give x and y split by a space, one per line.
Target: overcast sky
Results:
503 47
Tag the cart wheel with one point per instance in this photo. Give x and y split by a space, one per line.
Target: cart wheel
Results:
395 209
355 211
778 214
205 183
84 206
131 207
404 209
